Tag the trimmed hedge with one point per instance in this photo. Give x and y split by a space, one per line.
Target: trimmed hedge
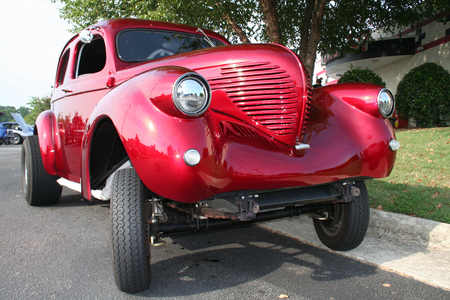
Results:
423 94
358 75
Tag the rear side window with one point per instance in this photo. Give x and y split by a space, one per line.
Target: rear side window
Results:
62 69
91 58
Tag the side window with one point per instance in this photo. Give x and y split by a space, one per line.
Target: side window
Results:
62 69
91 58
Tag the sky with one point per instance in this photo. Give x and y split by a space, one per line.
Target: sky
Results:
31 41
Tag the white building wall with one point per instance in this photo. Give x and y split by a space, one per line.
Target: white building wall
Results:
392 74
433 31
433 46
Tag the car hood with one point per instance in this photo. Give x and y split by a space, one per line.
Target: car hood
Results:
26 129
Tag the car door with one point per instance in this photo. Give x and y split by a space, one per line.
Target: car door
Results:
80 84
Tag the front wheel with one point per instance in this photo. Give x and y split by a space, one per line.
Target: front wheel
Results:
130 232
39 187
347 223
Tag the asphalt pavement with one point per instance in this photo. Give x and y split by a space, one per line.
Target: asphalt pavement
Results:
62 252
406 245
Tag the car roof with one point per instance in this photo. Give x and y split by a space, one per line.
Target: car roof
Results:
113 26
116 25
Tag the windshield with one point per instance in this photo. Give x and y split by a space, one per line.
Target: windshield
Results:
144 45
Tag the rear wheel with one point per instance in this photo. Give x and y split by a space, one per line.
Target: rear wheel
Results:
130 232
347 223
39 187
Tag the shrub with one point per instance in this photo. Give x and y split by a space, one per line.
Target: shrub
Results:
423 94
358 75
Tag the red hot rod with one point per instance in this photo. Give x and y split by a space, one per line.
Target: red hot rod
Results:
183 132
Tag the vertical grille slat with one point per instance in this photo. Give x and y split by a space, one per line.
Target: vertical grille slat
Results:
307 110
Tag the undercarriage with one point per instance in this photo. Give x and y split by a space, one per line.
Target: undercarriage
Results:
169 218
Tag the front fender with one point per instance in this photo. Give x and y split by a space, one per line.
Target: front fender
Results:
134 102
49 141
362 96
345 120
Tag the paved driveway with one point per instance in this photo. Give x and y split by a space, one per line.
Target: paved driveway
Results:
62 252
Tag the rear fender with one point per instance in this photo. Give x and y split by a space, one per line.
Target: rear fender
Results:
49 141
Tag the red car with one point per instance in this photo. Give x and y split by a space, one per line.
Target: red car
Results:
184 132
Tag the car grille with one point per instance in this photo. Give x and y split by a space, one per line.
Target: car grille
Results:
264 92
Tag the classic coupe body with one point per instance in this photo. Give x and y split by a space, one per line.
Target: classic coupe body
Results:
170 123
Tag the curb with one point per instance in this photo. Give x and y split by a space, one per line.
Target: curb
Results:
407 229
406 245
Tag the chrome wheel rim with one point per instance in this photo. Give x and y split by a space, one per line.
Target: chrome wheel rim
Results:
15 139
25 174
333 225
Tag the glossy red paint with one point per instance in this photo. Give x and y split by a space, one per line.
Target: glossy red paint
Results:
48 141
236 156
261 108
361 96
242 74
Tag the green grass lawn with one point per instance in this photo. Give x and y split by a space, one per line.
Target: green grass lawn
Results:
419 185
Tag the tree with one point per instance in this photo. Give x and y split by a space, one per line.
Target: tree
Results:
306 26
7 110
38 105
423 94
24 111
358 75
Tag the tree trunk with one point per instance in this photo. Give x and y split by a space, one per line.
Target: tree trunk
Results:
269 10
314 35
311 32
306 27
236 28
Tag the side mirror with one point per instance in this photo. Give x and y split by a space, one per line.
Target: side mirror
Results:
86 36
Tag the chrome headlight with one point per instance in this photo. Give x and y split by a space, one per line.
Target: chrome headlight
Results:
386 103
191 94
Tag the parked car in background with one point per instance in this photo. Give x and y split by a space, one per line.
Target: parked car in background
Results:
5 136
185 132
17 132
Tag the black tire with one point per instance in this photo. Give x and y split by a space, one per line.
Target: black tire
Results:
130 232
16 139
347 225
39 187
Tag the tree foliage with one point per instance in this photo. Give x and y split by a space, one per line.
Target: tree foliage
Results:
220 16
359 75
38 105
305 26
423 94
7 110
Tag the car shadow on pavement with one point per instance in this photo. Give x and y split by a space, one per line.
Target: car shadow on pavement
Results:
219 260
225 259
71 198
